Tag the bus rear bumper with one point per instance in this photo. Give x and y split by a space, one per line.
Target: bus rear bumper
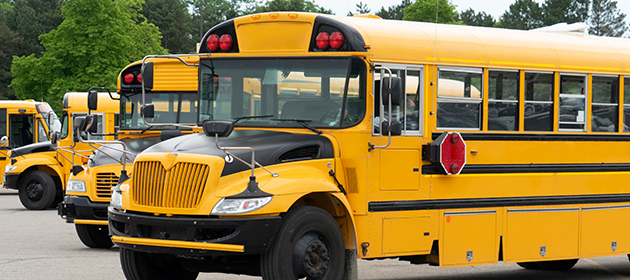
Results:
192 236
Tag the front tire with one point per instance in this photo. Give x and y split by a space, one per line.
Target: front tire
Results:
309 244
37 190
145 266
94 236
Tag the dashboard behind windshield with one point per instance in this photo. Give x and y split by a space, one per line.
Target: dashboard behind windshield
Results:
282 92
169 107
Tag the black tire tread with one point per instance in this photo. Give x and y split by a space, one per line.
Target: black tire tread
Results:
50 190
94 236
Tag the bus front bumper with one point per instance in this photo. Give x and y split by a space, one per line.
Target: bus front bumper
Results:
81 210
192 236
10 181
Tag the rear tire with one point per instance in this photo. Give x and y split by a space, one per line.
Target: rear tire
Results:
94 236
528 265
308 244
557 265
144 266
37 190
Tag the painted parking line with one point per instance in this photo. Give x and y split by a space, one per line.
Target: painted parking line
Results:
602 267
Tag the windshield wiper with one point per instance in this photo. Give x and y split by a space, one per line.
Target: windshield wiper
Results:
251 117
302 123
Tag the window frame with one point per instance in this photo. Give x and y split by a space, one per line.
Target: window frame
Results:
464 100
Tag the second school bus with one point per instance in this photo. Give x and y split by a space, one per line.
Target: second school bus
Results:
503 145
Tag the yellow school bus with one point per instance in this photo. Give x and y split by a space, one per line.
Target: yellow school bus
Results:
173 92
449 145
40 171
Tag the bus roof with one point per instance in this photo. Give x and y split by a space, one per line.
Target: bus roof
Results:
19 104
77 102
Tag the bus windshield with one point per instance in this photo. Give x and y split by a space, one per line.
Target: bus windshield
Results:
46 111
283 92
169 107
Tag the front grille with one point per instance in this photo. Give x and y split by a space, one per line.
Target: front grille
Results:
104 184
179 187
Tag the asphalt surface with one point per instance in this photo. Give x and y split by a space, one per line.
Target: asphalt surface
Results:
40 245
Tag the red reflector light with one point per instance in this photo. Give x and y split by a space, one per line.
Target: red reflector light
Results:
448 153
139 78
129 78
336 40
322 40
213 43
225 42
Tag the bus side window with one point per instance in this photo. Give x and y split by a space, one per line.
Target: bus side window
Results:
3 122
626 104
459 98
21 127
413 99
503 91
538 101
605 104
573 93
42 136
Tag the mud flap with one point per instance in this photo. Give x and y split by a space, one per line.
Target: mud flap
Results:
351 271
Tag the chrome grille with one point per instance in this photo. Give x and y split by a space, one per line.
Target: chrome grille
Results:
180 187
104 184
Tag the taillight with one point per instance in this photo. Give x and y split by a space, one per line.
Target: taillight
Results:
129 78
225 42
322 40
336 40
213 43
139 78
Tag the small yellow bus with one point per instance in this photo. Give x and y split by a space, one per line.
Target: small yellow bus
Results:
448 145
40 171
173 93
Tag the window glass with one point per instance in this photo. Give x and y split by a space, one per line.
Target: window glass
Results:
626 106
459 98
413 92
538 101
42 136
605 104
397 111
572 102
64 125
21 130
503 90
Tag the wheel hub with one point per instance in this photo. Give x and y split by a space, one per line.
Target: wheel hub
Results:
34 191
310 257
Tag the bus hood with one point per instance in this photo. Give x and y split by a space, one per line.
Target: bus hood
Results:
271 147
106 154
32 148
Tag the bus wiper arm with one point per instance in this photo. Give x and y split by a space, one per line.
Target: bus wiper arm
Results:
302 123
252 117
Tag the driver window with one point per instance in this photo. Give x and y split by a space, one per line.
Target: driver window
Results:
409 112
42 136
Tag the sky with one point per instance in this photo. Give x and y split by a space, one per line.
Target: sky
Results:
494 7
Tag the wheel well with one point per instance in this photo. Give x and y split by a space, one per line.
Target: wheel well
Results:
337 210
49 171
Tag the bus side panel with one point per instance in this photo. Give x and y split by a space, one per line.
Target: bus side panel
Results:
605 231
541 234
469 238
406 235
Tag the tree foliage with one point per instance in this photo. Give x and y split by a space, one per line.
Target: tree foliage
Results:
362 9
440 11
395 11
291 5
214 12
174 22
606 19
31 18
470 17
569 11
9 45
96 39
523 14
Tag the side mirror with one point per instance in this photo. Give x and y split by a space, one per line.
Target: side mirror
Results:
92 100
77 124
147 75
51 118
395 91
92 123
148 111
221 128
54 138
395 128
4 141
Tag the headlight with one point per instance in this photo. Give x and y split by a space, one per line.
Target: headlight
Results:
9 168
116 200
75 186
239 205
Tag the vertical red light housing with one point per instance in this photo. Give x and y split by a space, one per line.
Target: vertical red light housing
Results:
129 78
139 78
213 43
336 40
225 42
322 40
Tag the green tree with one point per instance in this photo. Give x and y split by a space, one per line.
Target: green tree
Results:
470 17
441 11
214 12
32 18
522 14
362 9
96 39
395 11
9 45
174 21
291 5
606 19
569 11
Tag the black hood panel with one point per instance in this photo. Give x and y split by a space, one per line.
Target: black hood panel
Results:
133 145
271 147
33 148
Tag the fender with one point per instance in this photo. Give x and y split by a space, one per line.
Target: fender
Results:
26 163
